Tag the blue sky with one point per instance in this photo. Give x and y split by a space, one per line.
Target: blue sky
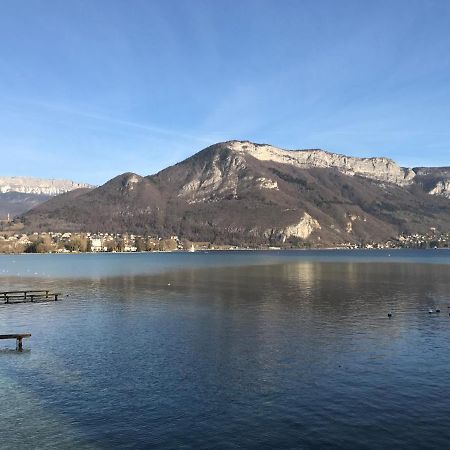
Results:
90 89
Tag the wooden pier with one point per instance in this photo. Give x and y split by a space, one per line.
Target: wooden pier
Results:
17 337
12 297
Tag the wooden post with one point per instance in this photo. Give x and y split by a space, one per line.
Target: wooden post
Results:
56 297
18 337
46 294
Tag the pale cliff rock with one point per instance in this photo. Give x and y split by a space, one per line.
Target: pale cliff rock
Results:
215 180
302 229
265 183
130 181
441 188
40 186
434 180
352 218
221 175
379 168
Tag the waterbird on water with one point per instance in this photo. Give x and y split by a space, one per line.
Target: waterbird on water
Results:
389 315
430 311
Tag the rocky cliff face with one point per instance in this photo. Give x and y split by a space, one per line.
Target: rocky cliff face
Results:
441 188
303 230
218 170
20 194
40 186
434 180
214 178
379 168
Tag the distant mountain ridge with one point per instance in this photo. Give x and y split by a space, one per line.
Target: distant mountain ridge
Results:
241 192
40 186
19 194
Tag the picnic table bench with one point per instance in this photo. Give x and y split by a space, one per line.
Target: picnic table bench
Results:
28 296
18 337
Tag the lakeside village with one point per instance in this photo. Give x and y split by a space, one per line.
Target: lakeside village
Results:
56 242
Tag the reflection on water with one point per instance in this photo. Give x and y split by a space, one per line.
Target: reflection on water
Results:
266 353
101 265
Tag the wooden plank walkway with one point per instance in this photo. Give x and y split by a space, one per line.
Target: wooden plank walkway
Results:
11 297
18 337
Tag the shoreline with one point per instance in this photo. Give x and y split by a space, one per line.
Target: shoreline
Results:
204 251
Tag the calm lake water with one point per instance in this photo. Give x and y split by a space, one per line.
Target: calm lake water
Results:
248 350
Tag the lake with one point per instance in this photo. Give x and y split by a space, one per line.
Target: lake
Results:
232 350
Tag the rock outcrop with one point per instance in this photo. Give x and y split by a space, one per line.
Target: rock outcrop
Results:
434 180
441 188
302 229
40 186
213 179
379 168
218 170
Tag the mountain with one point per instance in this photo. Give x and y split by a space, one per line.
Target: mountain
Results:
19 194
434 180
245 193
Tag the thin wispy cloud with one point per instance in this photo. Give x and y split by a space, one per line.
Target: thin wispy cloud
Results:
67 110
147 85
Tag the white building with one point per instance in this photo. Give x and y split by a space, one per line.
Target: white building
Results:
97 245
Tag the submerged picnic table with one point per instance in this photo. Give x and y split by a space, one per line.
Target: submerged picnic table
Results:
18 337
9 297
28 296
